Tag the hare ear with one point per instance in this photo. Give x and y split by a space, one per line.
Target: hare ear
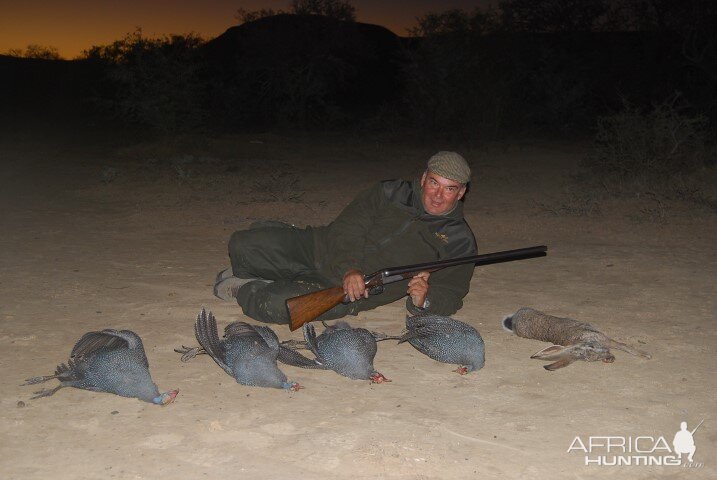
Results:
553 352
563 362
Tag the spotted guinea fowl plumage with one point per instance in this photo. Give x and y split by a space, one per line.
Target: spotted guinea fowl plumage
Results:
112 361
247 352
446 340
346 350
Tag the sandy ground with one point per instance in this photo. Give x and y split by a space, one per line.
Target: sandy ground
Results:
97 236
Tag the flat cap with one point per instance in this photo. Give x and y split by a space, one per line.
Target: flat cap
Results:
450 165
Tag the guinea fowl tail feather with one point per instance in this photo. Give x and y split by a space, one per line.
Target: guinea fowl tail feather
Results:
291 357
310 338
205 329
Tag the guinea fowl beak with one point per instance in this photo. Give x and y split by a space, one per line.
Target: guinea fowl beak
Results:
378 378
166 398
462 370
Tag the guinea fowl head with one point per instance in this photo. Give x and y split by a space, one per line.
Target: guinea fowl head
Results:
293 386
378 378
166 398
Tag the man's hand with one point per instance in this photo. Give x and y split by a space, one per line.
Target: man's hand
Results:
418 288
354 286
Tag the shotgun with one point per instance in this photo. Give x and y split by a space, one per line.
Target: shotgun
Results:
305 308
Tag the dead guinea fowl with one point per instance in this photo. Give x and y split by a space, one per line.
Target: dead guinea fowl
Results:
446 340
247 352
109 361
346 350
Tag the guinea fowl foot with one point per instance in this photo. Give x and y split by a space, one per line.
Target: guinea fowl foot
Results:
462 370
35 380
295 344
46 392
189 353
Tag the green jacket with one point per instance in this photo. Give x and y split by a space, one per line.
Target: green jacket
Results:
387 226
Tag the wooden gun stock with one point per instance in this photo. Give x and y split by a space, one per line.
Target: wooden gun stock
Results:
306 308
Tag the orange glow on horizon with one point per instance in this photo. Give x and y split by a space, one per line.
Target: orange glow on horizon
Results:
77 25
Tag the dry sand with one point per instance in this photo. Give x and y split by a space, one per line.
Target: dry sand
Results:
96 236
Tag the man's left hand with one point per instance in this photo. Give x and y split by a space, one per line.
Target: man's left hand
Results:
418 288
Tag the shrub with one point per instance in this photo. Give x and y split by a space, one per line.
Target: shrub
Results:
444 76
154 81
36 51
338 9
296 91
466 77
645 150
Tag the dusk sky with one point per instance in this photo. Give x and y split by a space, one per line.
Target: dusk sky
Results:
75 25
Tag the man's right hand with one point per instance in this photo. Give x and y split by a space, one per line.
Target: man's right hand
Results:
354 286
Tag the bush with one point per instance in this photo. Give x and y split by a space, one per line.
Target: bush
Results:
643 151
292 71
36 51
468 78
445 76
155 82
338 9
294 92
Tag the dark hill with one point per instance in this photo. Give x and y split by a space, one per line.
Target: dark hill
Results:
354 66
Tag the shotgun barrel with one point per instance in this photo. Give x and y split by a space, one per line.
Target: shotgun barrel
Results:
483 259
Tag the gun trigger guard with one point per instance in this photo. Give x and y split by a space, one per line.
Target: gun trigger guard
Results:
378 289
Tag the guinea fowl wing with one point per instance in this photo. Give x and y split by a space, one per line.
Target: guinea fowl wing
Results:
109 339
205 329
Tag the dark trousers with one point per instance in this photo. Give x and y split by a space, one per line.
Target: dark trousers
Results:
284 255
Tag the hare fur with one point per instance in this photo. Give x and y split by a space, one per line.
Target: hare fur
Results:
571 340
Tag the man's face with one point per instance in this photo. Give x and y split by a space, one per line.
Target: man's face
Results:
440 195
